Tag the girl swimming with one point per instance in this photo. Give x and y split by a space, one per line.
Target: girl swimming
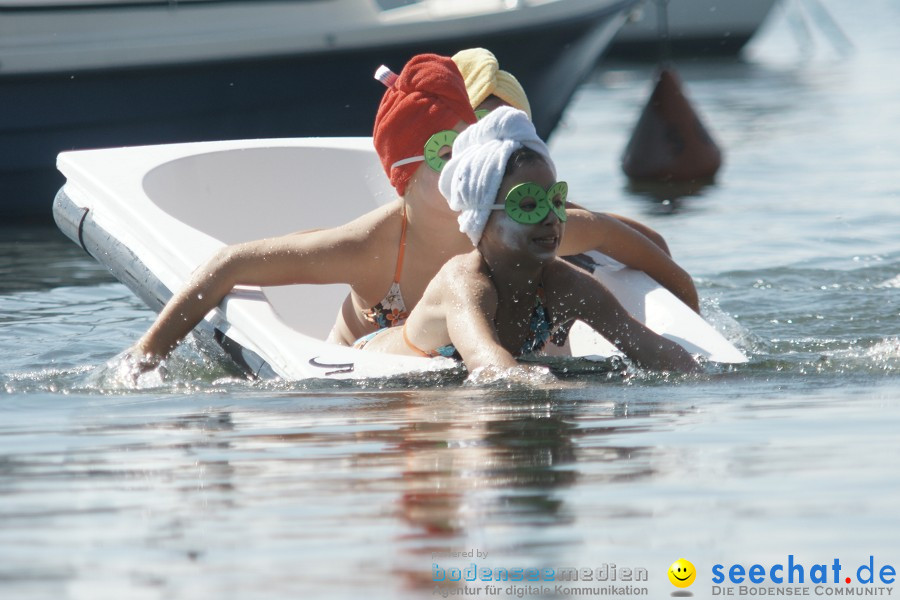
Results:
505 298
389 255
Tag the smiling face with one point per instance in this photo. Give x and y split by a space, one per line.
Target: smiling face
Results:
540 240
682 573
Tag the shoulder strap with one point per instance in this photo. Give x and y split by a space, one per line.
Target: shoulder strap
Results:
402 250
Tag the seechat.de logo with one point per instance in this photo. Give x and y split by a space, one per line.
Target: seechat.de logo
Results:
682 573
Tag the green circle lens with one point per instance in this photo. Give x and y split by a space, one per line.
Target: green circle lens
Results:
482 113
435 144
528 216
557 195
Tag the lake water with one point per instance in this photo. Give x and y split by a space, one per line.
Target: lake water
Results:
207 486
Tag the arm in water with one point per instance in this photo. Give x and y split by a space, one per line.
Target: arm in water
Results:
617 239
319 257
578 295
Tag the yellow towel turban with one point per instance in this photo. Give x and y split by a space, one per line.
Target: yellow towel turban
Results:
480 69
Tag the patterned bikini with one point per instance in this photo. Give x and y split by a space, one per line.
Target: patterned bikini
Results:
391 311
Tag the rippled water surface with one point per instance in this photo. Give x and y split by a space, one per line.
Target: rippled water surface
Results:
207 486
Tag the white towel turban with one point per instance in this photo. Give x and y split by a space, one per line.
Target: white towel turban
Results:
471 178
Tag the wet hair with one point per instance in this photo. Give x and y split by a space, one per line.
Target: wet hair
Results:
522 157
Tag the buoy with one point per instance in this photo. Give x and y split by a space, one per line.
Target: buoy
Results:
670 144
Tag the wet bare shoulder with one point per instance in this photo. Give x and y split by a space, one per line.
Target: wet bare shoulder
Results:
465 276
379 226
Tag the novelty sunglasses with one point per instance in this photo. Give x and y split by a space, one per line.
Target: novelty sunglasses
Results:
528 203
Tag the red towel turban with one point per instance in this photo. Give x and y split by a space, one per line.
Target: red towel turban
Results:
428 96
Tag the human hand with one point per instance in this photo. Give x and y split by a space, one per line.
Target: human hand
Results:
521 374
138 362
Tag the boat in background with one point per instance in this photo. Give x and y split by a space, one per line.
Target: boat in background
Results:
153 214
696 28
101 73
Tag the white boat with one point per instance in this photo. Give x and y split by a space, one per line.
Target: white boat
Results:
153 214
696 27
101 73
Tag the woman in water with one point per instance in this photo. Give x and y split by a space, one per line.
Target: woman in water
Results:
406 241
505 298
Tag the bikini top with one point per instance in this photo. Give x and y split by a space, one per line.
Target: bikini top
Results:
391 310
540 330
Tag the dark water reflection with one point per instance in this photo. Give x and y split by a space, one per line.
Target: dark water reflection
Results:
426 470
241 489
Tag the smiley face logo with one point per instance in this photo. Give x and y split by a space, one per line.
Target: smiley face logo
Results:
682 573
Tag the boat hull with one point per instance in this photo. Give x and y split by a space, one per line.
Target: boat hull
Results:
309 94
707 28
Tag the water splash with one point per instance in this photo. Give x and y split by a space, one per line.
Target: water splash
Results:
881 357
893 282
520 375
730 328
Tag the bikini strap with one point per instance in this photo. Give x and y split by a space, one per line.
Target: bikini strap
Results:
414 347
402 250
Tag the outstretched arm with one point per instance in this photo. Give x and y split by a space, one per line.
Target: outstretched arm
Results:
470 323
619 239
327 256
587 299
647 232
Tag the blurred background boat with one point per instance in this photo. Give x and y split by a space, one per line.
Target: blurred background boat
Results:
696 27
98 73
